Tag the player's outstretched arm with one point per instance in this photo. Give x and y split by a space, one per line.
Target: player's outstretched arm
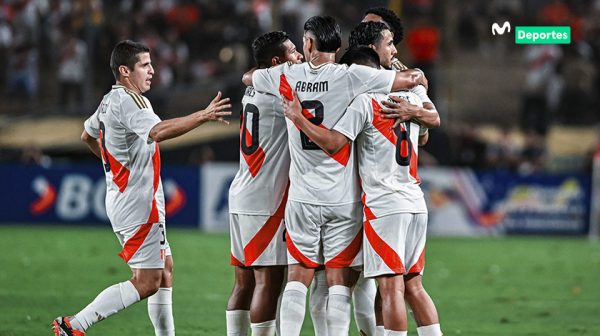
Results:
92 143
407 79
330 141
172 128
401 110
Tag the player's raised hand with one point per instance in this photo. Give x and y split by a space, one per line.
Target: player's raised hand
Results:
217 109
399 109
292 108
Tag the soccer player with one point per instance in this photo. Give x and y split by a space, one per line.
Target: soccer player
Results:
394 205
381 29
379 36
124 132
323 211
257 199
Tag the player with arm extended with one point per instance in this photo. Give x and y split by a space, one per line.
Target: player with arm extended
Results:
379 39
257 199
394 206
323 212
124 132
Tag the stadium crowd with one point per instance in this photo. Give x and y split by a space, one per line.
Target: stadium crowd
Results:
50 49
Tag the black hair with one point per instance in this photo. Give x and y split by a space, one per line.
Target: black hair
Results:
366 33
362 55
391 19
126 53
267 46
327 33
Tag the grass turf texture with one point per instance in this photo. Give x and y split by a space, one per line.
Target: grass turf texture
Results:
510 286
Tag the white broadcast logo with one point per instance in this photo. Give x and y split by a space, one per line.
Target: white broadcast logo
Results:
496 29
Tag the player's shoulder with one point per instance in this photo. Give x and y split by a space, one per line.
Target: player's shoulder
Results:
129 98
409 96
257 98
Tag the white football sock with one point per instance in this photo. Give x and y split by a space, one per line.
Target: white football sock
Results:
379 331
430 330
363 297
110 301
160 310
238 322
266 328
338 310
395 333
293 305
318 303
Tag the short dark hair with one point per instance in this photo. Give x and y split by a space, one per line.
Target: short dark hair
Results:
391 19
267 46
328 35
126 53
362 55
366 33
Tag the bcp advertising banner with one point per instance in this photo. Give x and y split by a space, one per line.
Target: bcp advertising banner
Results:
75 194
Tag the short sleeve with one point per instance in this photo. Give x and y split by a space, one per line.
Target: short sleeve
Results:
92 124
366 79
354 120
138 116
268 80
421 92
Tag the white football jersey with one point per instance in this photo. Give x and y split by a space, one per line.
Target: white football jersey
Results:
262 180
134 193
325 92
387 158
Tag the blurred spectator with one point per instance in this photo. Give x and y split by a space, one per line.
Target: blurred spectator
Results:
423 43
542 61
504 153
202 155
533 156
72 66
33 155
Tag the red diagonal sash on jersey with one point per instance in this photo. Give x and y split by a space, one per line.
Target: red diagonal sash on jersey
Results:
343 155
256 159
153 218
119 172
384 126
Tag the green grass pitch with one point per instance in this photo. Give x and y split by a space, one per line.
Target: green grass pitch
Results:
510 286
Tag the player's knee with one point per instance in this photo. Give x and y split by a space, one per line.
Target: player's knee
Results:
413 287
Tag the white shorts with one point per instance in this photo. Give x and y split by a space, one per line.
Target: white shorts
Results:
144 246
257 240
395 244
324 234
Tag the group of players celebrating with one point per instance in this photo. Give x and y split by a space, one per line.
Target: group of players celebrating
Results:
327 194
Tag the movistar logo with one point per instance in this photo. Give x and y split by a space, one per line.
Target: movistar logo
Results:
496 29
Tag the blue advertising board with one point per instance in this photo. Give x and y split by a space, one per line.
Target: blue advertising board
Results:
75 194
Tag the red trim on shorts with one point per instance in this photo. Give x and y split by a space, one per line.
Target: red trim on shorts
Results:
420 265
133 244
369 215
257 245
387 254
234 262
301 258
347 256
